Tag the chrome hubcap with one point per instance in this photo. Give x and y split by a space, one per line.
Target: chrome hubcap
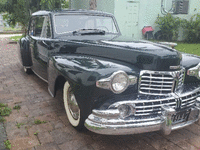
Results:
73 105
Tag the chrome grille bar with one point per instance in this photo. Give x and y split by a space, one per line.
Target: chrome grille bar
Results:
165 78
145 88
157 81
160 82
155 85
145 108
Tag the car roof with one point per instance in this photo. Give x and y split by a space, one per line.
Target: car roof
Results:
45 12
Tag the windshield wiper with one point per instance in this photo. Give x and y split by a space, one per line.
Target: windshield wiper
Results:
89 32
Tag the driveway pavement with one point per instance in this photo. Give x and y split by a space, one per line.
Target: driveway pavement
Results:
31 93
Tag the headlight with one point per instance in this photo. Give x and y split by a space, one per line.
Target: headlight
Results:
117 82
195 71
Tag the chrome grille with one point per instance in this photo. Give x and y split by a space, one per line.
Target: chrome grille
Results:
160 82
180 75
150 107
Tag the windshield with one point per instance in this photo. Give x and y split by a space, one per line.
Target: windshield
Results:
70 23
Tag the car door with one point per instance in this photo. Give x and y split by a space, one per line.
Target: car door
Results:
40 36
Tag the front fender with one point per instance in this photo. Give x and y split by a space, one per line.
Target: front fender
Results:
189 61
84 71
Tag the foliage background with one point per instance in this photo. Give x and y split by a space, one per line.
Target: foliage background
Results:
19 11
169 26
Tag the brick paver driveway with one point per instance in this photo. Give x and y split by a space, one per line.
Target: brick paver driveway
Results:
31 93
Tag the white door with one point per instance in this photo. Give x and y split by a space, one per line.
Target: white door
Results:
131 19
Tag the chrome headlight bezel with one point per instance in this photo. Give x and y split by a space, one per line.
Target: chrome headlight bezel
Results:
195 71
106 83
114 76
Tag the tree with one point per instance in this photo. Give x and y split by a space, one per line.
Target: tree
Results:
19 11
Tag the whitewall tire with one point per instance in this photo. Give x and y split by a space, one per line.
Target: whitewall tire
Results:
71 106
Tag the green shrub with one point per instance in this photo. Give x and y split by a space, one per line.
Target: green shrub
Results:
2 105
37 121
5 111
192 29
2 119
7 144
169 27
17 107
19 125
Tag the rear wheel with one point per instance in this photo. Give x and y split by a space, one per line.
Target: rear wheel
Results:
28 70
74 114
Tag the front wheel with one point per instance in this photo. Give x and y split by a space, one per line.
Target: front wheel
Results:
74 113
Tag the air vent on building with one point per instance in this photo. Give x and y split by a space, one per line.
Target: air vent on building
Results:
181 6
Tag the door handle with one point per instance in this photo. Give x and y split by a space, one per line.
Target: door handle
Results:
43 42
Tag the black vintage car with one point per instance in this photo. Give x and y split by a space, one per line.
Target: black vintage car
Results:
111 84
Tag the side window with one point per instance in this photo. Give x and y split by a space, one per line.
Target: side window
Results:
46 28
38 25
31 28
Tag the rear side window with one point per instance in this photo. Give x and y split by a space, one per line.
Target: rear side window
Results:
40 27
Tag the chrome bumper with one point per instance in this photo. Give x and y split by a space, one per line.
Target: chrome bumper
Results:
109 122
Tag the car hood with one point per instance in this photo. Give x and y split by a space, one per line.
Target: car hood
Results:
143 54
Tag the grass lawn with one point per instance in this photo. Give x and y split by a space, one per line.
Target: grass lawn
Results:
191 48
188 48
11 29
16 38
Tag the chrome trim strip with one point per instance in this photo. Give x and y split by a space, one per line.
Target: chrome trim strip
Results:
182 125
117 122
40 76
106 113
156 85
146 114
165 78
138 107
157 81
50 93
154 89
156 94
185 100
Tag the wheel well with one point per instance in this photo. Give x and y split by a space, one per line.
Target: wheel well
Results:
60 81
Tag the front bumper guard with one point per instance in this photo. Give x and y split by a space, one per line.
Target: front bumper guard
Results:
105 122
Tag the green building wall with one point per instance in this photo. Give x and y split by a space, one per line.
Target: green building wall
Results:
147 14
